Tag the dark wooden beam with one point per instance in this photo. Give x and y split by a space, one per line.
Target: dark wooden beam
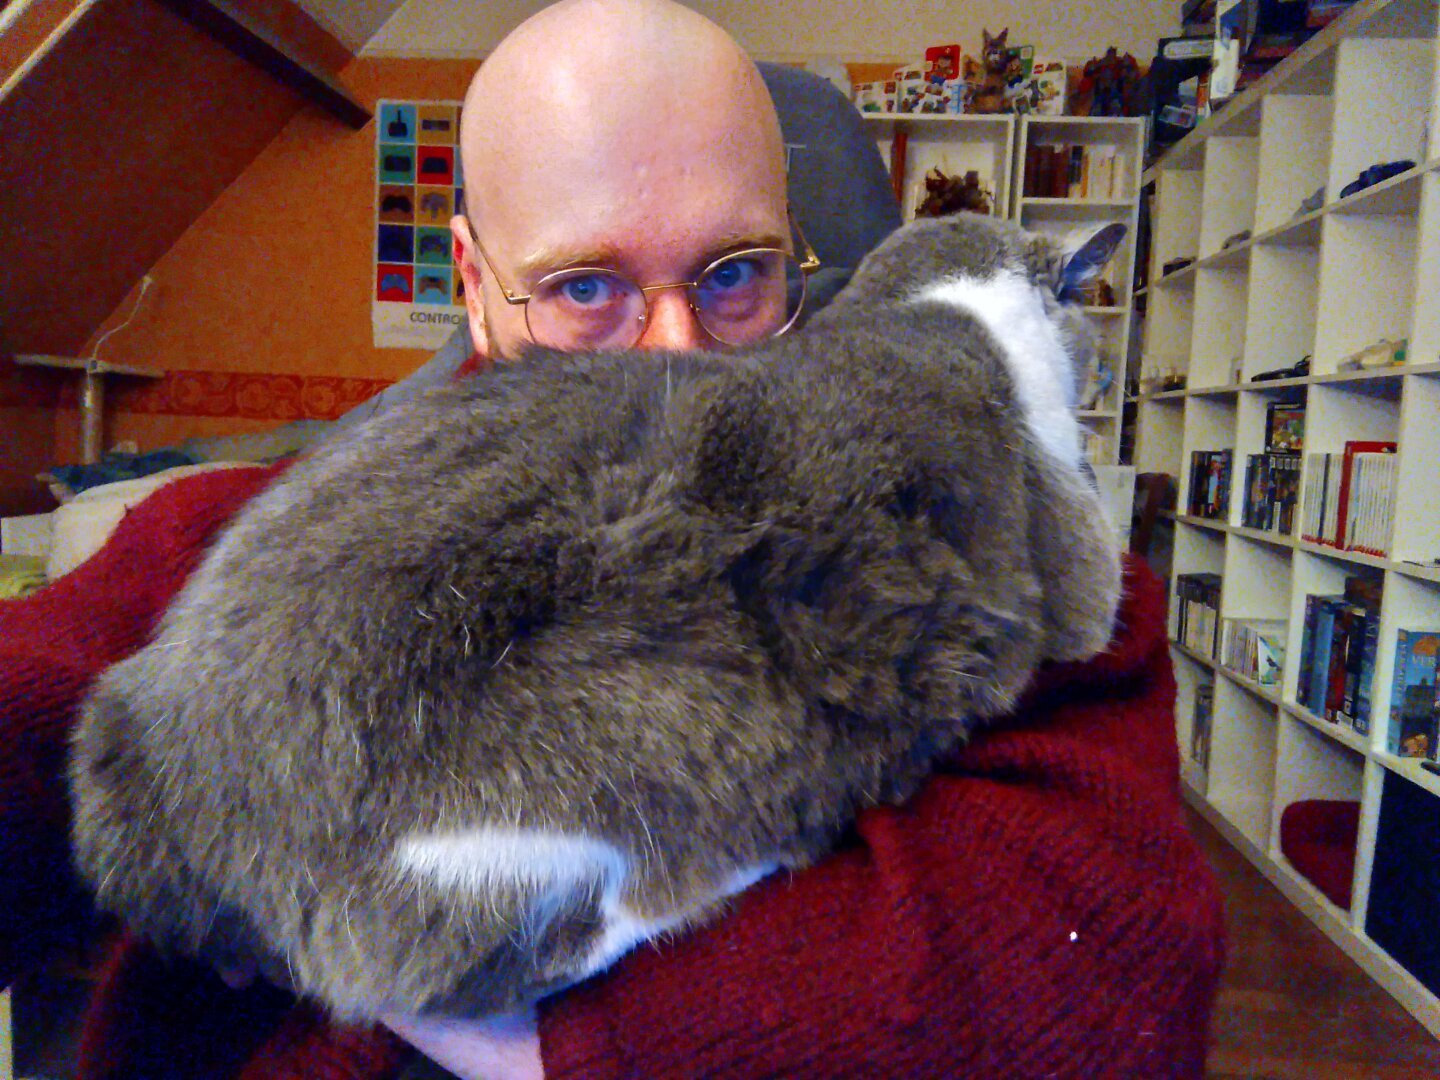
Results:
257 45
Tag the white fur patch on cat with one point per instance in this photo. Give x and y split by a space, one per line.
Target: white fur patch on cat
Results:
1010 307
551 866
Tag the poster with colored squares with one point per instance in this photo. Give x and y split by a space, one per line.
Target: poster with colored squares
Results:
419 297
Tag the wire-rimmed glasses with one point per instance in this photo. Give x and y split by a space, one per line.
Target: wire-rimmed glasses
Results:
740 298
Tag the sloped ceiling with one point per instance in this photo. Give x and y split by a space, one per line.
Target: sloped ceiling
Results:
353 22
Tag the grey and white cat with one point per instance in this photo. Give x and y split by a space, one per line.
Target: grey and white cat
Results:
550 662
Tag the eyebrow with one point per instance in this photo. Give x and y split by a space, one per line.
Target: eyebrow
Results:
547 260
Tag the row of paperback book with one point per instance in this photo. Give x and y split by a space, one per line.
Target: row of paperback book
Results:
1337 653
1255 648
1076 172
1197 612
1208 495
1272 488
1350 497
1414 702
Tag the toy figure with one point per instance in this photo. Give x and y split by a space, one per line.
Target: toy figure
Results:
988 77
1109 86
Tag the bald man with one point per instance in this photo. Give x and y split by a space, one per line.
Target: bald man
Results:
626 135
631 135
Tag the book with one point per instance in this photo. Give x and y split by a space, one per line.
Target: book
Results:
1255 649
1412 695
1285 427
1364 697
1200 725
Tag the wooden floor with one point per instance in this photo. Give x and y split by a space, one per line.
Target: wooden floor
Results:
1292 1006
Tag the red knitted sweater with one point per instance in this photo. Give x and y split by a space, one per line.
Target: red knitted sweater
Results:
1038 910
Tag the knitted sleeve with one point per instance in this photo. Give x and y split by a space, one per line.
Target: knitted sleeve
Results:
1038 910
52 646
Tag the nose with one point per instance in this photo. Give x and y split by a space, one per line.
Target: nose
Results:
672 324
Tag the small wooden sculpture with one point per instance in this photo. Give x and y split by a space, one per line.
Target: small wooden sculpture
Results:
950 194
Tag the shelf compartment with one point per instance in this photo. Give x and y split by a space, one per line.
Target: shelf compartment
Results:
1382 98
1243 746
1281 311
1417 530
1405 879
1360 299
1160 436
1169 327
1310 766
1294 155
1209 425
1321 574
1425 328
1228 197
985 145
1122 133
1410 604
1176 218
1217 343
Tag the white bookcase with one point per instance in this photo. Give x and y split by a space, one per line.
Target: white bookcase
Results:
1323 282
995 147
1113 325
955 144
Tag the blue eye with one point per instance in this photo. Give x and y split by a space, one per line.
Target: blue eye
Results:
587 289
733 274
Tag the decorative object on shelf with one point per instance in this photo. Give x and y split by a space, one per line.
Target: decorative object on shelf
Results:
1384 353
1312 202
1297 370
1318 837
1048 87
1098 381
1338 647
1235 239
945 91
1174 266
1179 81
1376 174
986 78
1414 708
952 194
875 97
1109 86
909 87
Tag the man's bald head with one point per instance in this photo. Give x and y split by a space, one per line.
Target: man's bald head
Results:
599 123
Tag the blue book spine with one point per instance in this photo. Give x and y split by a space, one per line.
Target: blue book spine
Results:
1307 649
1320 670
1364 695
1397 689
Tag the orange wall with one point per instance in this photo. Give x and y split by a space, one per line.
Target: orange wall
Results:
275 277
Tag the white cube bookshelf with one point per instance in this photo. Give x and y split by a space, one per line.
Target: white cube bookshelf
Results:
1321 282
995 147
955 144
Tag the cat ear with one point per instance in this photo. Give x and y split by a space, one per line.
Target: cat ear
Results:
1086 256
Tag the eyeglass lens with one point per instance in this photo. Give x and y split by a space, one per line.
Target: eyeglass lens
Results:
740 299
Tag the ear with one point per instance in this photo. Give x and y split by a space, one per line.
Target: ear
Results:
1076 556
1083 263
465 251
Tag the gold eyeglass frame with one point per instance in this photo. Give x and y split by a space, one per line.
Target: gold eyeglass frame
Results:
808 266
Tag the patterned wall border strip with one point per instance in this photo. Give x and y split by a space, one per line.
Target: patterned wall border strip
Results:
249 396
